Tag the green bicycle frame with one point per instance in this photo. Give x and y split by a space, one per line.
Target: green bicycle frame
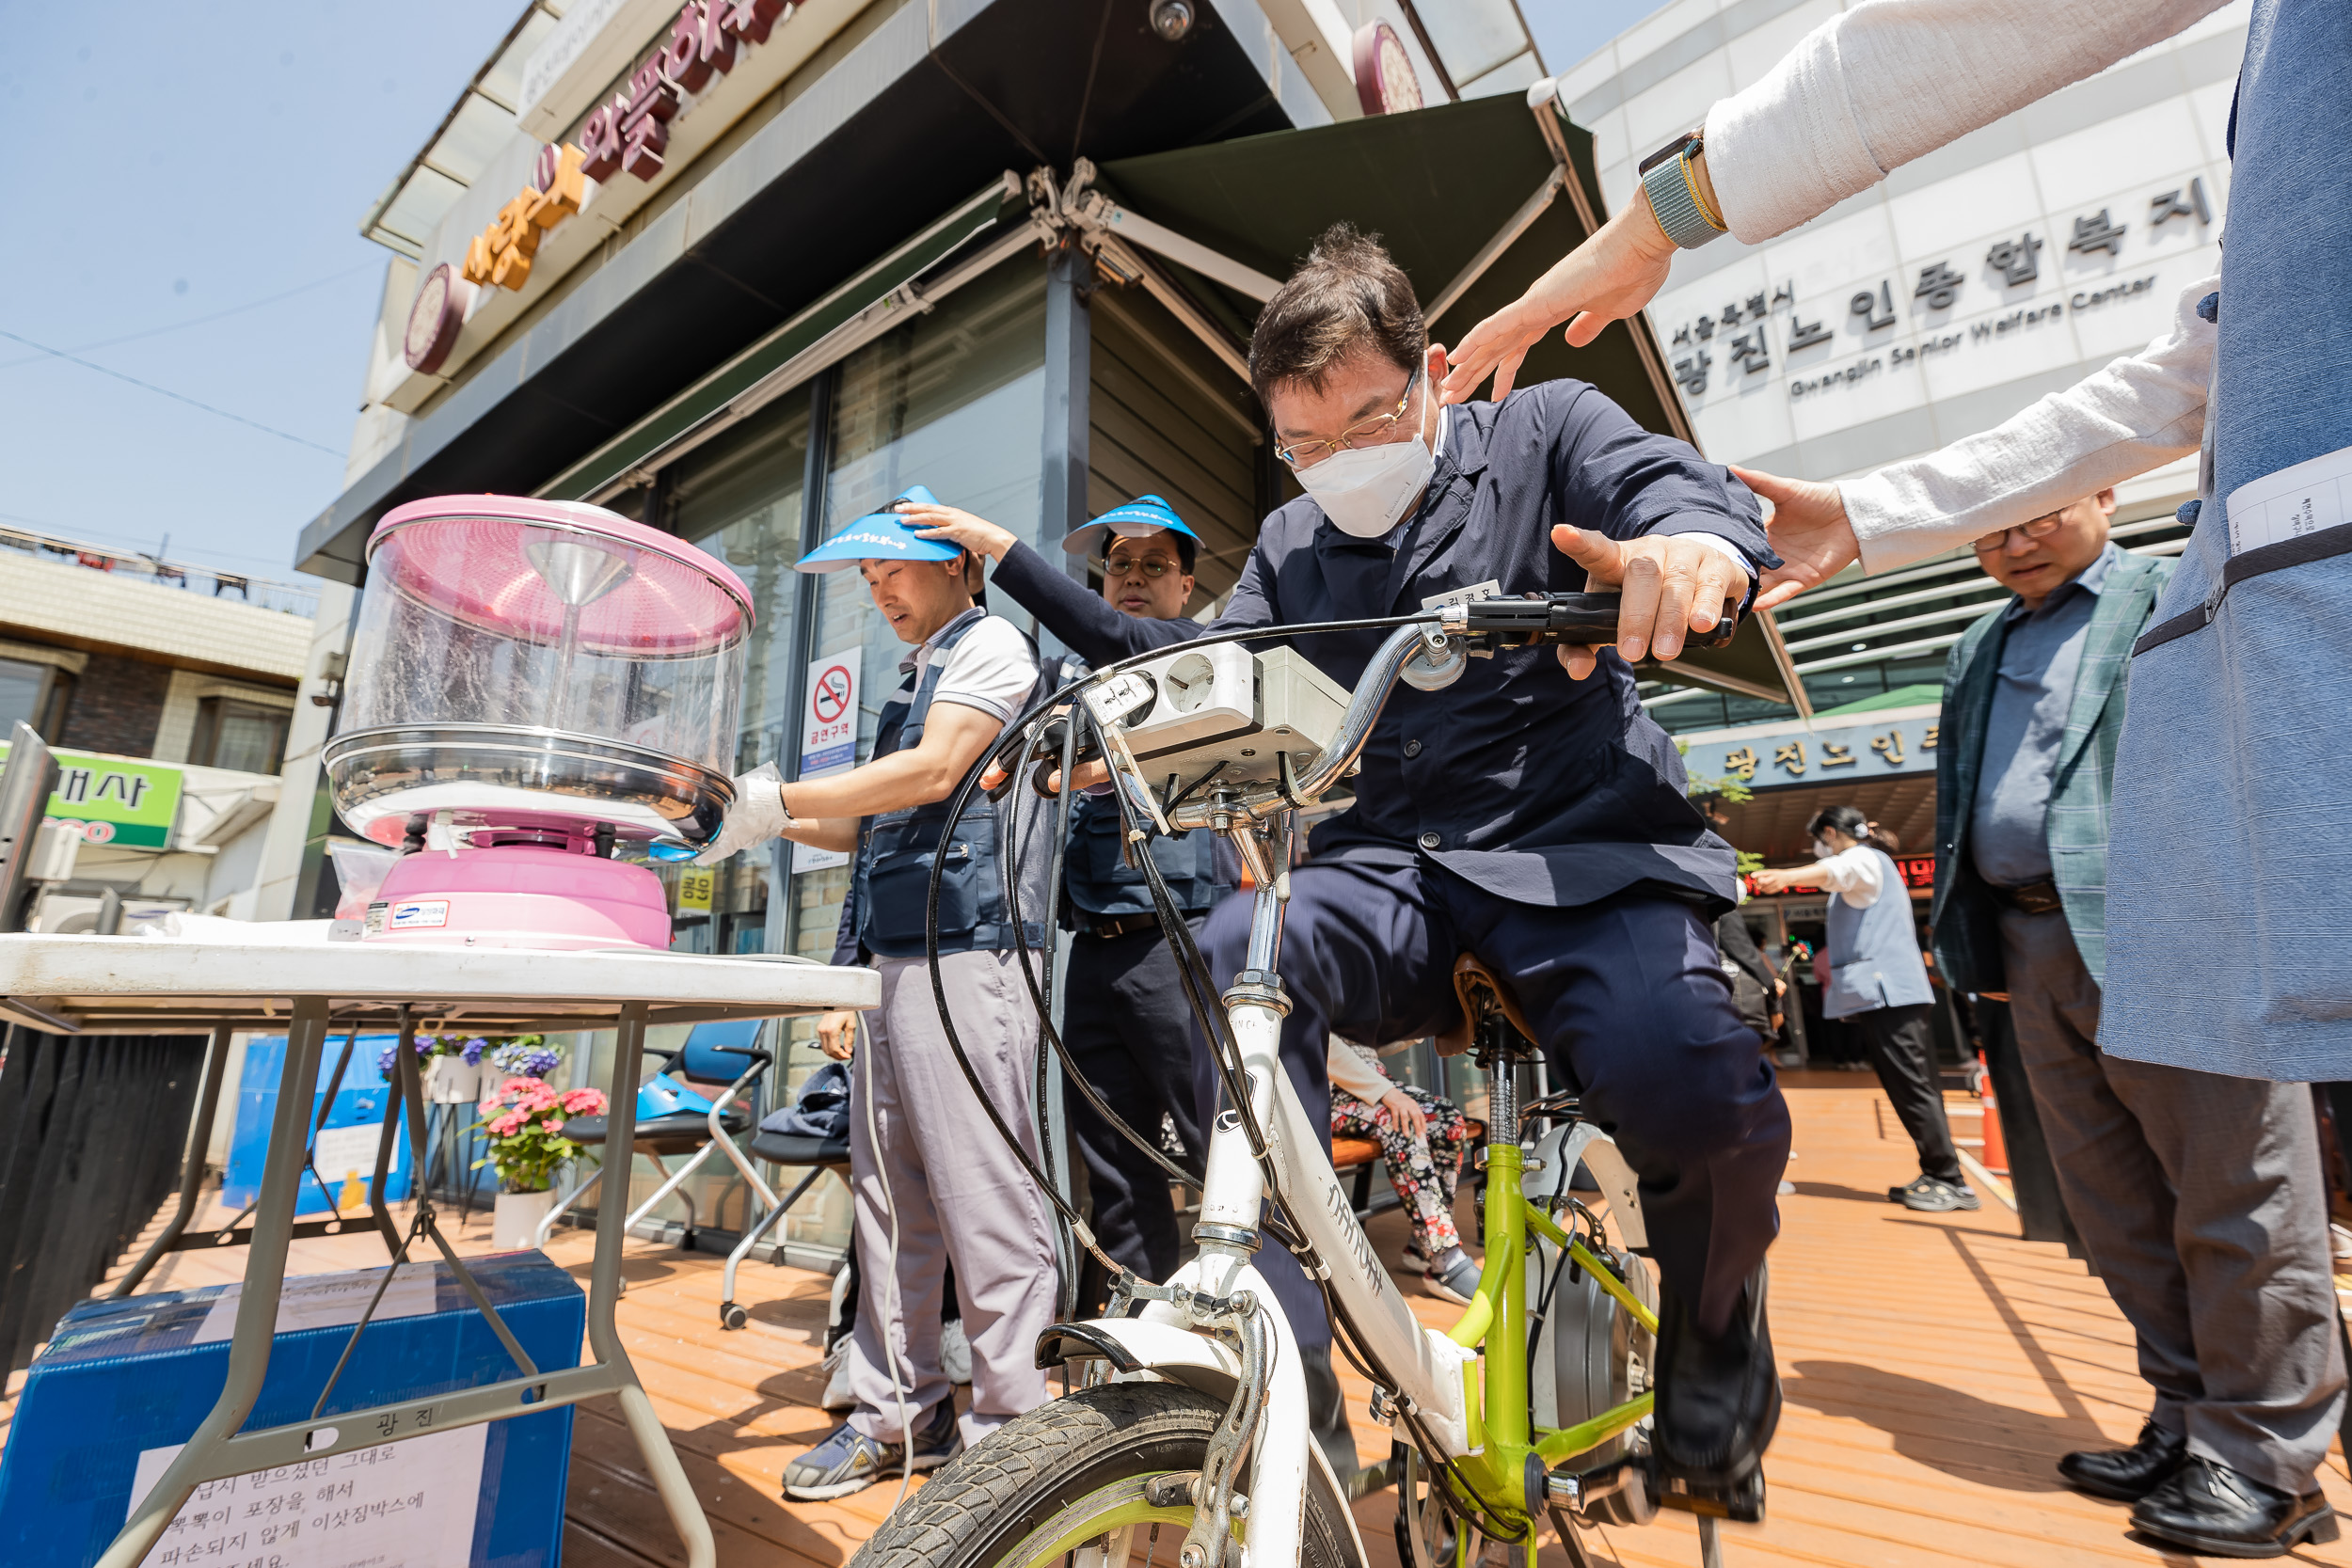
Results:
1501 1428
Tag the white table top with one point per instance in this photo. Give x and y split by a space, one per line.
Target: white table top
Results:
144 984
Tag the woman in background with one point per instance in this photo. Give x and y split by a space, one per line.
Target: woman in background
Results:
1422 1138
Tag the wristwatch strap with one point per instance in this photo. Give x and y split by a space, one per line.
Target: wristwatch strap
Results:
1673 194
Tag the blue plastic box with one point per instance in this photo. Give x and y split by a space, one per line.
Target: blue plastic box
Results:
345 1145
122 1379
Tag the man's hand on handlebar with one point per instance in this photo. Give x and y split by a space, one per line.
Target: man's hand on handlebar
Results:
1671 586
836 1034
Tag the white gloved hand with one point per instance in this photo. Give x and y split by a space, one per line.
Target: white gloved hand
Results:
756 815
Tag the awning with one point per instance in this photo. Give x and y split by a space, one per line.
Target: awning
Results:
1475 200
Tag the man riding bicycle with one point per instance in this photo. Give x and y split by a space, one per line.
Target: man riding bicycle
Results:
1531 813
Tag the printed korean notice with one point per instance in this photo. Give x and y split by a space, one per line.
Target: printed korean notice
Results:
328 1299
828 736
2293 502
404 1505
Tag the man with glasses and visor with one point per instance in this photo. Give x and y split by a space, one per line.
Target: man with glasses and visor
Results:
1124 1016
1531 813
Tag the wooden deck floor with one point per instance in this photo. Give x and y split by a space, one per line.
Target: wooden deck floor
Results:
1936 1367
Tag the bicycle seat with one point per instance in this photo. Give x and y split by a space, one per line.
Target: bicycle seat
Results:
1487 1003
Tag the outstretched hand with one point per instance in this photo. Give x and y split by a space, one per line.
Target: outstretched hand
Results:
1607 278
946 524
1671 588
1809 530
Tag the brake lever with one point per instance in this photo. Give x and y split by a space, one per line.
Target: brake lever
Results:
1584 618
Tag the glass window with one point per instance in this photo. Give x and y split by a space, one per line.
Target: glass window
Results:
739 498
245 738
954 401
23 694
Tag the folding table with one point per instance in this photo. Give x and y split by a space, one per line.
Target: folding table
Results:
145 985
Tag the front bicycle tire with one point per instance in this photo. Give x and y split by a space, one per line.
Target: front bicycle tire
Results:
1068 1480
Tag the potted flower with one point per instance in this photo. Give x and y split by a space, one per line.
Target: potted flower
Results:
453 1076
527 1143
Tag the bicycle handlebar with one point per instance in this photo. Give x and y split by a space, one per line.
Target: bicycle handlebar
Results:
1429 654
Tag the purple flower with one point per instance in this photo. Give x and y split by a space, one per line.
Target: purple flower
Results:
385 1060
540 1063
473 1050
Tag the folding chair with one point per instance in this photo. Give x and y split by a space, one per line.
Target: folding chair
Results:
713 1054
782 1149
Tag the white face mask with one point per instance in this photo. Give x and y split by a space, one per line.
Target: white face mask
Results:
1823 850
1366 490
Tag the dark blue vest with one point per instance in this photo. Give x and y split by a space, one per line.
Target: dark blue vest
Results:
891 885
1101 882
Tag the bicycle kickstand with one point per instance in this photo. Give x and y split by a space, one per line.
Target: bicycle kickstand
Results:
1710 1542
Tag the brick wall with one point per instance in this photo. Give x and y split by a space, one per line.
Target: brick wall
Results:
117 706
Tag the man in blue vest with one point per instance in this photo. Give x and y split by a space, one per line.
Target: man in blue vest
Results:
1531 813
932 1180
1125 1014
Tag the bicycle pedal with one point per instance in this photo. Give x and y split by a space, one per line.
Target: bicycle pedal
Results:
1741 1501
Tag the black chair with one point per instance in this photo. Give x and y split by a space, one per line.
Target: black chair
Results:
787 1150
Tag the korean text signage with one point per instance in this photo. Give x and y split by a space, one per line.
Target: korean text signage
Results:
1745 330
113 801
627 136
630 134
1861 750
828 735
1918 872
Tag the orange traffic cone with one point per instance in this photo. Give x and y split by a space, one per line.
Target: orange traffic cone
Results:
1996 1151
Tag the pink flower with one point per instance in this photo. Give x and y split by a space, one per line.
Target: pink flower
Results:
589 1103
551 1125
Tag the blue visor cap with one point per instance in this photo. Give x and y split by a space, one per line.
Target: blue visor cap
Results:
880 537
1139 518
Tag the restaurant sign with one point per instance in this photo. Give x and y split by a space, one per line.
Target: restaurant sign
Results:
113 801
1816 756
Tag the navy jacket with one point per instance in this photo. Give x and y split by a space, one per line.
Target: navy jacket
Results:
1095 872
1538 788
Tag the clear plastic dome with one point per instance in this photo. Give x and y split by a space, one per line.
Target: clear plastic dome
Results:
563 629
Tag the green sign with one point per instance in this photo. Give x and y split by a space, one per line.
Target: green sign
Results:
113 800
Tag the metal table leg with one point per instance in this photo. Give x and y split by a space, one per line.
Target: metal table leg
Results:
604 1294
257 1307
192 1174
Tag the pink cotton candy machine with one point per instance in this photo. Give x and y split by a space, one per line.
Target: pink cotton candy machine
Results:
532 687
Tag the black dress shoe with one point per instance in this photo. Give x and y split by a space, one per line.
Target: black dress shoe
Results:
2130 1474
2212 1510
1718 1400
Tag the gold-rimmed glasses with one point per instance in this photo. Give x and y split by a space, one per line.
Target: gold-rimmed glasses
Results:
1152 567
2041 528
1370 433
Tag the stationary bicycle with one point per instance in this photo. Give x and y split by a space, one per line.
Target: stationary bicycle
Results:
1188 1433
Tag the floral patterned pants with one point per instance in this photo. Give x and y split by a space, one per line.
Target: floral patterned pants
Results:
1422 1170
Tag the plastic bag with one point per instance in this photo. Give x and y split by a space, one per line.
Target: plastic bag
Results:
360 869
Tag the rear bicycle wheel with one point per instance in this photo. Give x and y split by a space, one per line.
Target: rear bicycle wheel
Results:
1067 1481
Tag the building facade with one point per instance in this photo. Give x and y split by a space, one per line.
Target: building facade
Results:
167 692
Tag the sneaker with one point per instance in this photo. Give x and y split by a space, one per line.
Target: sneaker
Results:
1931 1197
955 1353
849 1461
837 1365
1454 1275
1416 1260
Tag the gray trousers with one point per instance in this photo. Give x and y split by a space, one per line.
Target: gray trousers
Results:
957 1191
2200 1203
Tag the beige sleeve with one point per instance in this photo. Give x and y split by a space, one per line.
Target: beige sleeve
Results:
1888 81
2142 411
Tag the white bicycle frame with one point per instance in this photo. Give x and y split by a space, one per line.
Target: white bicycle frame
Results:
1177 1340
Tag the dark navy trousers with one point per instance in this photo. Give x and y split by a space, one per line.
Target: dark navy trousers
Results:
1126 1022
1628 999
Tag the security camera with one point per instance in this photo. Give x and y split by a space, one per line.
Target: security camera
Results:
1172 19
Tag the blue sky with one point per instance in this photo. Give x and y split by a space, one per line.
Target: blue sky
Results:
183 210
